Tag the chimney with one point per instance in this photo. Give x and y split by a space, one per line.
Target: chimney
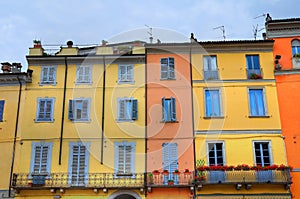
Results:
70 44
6 67
37 44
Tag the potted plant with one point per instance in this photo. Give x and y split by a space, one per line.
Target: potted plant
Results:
255 76
170 182
155 172
165 172
187 171
150 175
176 172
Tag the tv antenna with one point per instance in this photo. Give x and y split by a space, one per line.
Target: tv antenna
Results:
262 15
222 28
150 33
256 30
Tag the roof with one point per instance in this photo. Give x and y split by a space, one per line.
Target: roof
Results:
283 20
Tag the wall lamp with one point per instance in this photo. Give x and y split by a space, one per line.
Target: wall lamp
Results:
52 190
277 65
287 186
95 190
248 186
149 189
61 190
192 188
104 190
238 186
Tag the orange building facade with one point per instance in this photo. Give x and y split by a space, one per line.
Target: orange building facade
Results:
170 150
286 33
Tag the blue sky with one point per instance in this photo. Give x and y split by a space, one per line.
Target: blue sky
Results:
91 21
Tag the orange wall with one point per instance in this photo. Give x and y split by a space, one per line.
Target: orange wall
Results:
170 193
180 132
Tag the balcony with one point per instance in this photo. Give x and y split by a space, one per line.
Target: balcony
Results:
254 74
162 179
68 180
211 75
244 176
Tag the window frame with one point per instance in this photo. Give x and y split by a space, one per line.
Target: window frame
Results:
2 104
269 150
295 47
129 80
117 174
223 150
71 111
49 157
47 82
172 114
133 109
169 69
208 59
78 75
39 100
264 102
220 103
252 70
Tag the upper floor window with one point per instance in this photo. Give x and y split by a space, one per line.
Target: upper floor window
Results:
257 102
127 109
262 153
41 157
169 109
124 158
1 109
79 109
48 75
45 109
253 67
212 103
84 74
210 67
215 153
170 161
125 73
167 68
295 47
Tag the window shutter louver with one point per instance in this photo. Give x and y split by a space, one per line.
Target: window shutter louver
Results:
71 115
134 109
173 109
164 68
45 74
1 109
163 108
171 68
121 109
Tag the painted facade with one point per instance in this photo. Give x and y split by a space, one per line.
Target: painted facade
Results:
83 129
286 34
170 151
236 121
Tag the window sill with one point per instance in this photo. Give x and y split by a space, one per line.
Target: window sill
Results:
43 121
83 83
126 82
168 79
80 121
213 117
176 121
125 120
47 83
258 116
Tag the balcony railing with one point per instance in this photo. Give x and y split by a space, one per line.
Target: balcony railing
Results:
251 176
211 75
170 179
254 74
65 180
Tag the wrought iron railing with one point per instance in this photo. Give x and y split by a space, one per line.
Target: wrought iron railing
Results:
250 176
65 180
169 179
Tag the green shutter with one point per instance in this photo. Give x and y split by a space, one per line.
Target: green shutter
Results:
134 109
71 113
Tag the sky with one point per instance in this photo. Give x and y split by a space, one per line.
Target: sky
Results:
91 21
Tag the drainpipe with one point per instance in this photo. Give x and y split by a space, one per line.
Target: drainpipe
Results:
15 138
146 112
103 107
63 113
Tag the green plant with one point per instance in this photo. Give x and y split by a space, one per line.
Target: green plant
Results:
297 55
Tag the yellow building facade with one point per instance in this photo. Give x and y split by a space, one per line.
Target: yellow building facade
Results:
237 124
82 131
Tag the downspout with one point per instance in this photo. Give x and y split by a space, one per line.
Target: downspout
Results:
146 113
63 113
103 107
15 138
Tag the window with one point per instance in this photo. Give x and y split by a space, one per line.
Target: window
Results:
1 110
48 75
41 158
45 109
215 154
84 74
212 103
79 109
253 67
257 102
125 73
210 67
169 109
124 158
167 70
78 163
262 153
170 161
295 47
127 109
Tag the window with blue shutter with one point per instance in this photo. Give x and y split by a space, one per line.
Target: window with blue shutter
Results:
79 109
41 158
295 47
127 109
1 110
212 103
45 108
84 74
125 73
257 102
167 68
48 75
253 66
170 161
169 109
124 159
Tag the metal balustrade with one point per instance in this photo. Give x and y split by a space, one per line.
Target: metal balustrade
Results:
170 179
69 180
